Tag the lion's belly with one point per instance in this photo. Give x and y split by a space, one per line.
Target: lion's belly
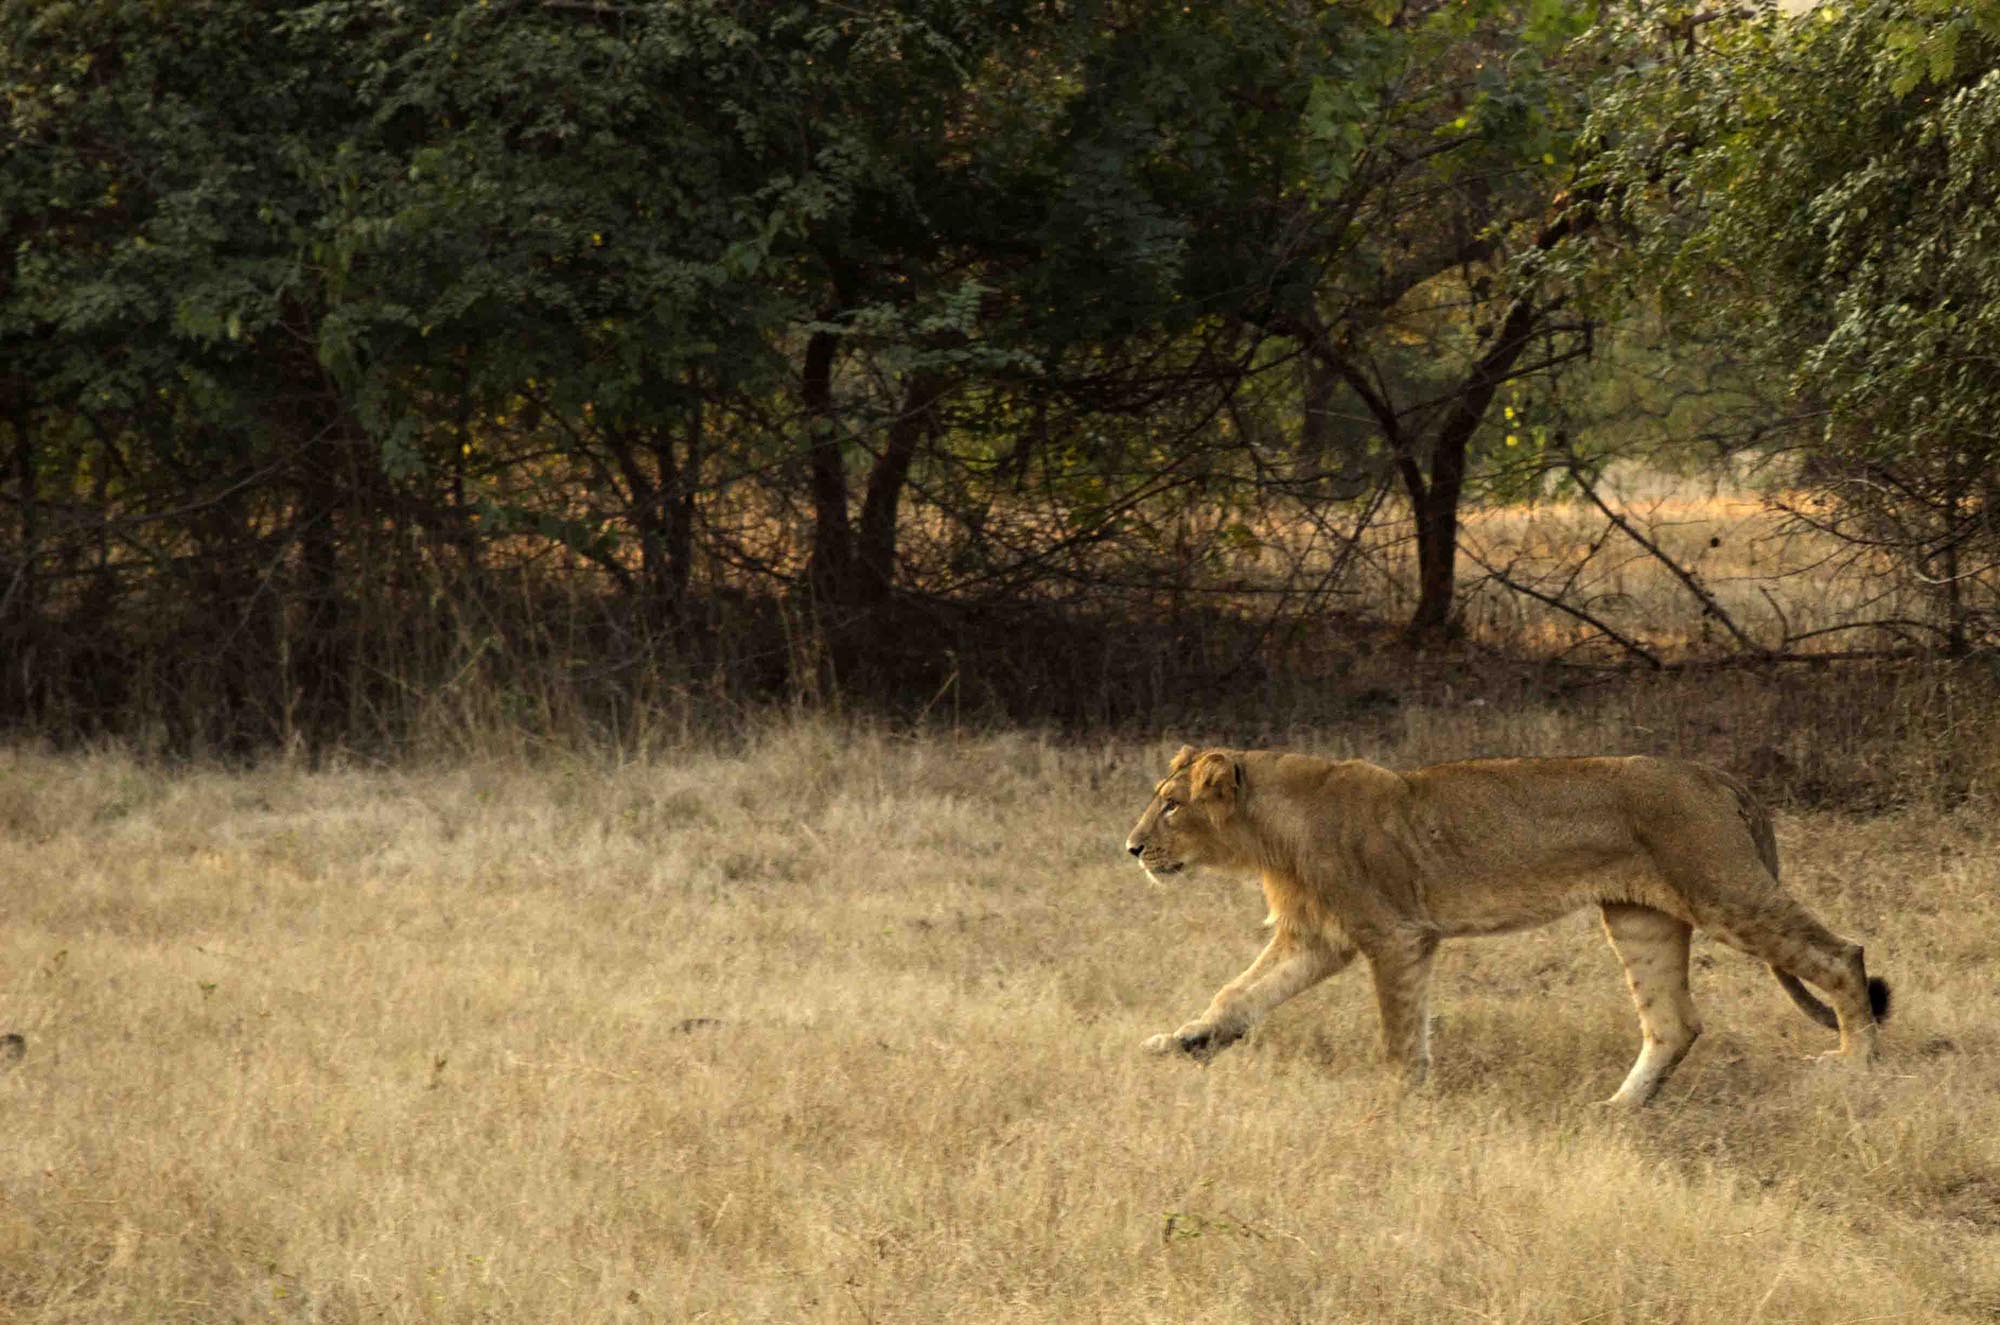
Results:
1499 902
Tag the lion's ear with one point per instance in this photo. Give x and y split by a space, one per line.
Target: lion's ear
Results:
1217 776
1182 760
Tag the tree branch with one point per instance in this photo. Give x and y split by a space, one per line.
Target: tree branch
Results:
1680 572
1602 627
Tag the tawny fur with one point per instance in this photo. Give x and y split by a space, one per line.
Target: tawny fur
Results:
1355 859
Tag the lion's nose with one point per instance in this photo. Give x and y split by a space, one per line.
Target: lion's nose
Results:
1134 848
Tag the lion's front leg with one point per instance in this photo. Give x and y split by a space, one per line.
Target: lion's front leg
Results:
1402 994
1290 964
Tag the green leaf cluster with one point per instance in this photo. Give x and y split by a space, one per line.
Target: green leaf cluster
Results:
1824 189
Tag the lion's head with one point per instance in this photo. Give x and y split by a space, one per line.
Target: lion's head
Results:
1184 824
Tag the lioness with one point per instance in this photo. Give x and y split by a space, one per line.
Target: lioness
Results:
1356 859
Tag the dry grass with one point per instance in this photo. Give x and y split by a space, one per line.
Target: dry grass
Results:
1777 578
842 1027
1774 577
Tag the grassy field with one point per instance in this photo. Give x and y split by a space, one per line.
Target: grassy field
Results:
841 1026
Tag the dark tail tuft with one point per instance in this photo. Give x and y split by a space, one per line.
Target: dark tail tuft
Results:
1878 997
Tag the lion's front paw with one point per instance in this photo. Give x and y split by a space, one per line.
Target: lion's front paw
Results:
1198 1042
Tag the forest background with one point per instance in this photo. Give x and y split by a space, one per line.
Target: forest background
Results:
374 369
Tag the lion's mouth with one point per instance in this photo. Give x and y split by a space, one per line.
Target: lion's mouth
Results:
1164 868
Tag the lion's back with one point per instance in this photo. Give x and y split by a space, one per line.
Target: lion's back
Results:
1581 813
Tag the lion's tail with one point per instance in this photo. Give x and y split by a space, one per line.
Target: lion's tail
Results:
1758 820
1878 999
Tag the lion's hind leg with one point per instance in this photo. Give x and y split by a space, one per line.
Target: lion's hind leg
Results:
1770 925
1654 949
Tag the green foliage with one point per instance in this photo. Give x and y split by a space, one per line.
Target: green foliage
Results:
1826 188
153 226
341 297
1924 46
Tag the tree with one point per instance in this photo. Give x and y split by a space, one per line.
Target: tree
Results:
157 315
1825 187
319 326
1378 189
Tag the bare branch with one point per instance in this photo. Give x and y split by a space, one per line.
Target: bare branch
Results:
1680 572
1564 605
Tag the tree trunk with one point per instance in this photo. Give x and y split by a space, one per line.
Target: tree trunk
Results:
1957 638
677 485
332 473
1312 460
659 503
1437 565
665 508
1436 514
464 521
830 569
1437 511
876 551
20 610
316 657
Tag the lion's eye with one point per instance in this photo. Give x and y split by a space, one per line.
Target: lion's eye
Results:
1171 807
